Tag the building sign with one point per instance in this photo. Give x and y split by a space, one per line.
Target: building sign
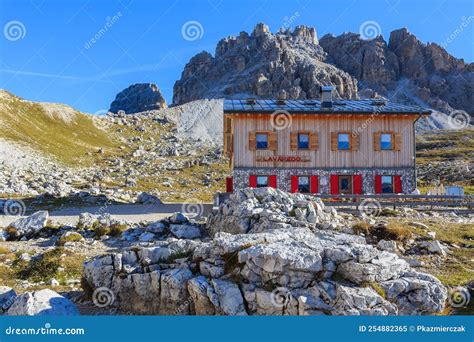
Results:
283 159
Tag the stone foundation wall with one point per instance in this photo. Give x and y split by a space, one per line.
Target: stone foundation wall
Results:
241 177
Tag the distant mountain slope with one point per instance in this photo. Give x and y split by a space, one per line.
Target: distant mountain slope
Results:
57 130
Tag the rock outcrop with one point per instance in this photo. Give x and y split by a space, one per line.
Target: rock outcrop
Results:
28 226
286 64
137 98
267 255
405 69
42 303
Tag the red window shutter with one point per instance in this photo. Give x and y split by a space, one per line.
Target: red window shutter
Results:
334 184
229 184
397 180
272 181
294 183
253 181
314 183
357 179
378 184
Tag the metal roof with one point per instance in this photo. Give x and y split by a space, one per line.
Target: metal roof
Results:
314 106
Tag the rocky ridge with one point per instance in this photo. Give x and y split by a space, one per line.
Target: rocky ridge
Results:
275 261
288 64
403 68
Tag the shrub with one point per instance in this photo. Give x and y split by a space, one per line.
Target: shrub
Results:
116 229
11 231
72 237
101 230
4 250
389 212
361 227
393 231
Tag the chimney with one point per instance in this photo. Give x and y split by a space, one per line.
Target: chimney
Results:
326 96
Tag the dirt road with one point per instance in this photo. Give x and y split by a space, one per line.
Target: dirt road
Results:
129 212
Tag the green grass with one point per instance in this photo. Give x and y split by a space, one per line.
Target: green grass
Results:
456 268
68 142
445 146
46 267
73 237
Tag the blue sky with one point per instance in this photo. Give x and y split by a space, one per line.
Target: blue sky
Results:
50 57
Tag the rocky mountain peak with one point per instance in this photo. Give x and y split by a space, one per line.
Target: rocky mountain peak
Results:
137 98
263 64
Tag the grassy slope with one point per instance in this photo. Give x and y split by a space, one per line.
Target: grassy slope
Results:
445 146
75 143
27 123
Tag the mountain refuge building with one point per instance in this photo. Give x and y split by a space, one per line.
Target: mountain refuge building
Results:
321 146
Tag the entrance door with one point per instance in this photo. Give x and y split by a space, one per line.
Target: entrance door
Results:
345 184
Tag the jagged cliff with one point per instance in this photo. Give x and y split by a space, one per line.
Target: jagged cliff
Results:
294 64
288 64
405 69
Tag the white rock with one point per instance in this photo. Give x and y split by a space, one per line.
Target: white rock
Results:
387 245
145 237
53 282
185 231
434 247
40 303
28 226
230 298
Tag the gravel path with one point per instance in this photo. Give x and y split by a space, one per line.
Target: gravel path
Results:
128 212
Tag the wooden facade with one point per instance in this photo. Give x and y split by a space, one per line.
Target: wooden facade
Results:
364 131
